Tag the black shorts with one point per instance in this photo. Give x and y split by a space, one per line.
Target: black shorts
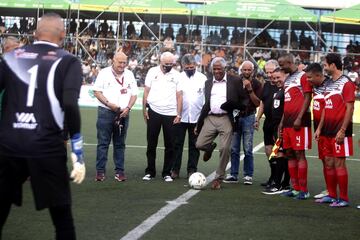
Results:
49 180
269 136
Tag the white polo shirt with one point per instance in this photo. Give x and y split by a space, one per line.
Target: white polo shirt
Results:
116 92
163 88
193 96
218 96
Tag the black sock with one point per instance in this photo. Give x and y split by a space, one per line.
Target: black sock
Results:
271 178
285 171
63 222
4 213
277 172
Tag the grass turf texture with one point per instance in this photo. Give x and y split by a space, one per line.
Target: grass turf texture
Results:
108 210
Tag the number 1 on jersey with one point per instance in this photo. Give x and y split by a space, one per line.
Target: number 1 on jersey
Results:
32 84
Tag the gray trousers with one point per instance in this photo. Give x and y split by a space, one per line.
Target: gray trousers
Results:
214 126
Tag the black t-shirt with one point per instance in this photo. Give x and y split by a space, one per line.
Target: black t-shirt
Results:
42 84
277 107
267 97
257 89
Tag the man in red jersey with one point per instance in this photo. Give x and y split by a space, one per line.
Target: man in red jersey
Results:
315 76
295 126
337 130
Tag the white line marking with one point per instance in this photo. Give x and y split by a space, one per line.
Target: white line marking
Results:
151 221
257 153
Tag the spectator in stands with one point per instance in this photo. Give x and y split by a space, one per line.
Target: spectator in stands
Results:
197 31
183 30
224 32
82 25
261 63
168 44
133 63
73 25
24 25
104 27
155 29
130 30
283 39
169 32
10 43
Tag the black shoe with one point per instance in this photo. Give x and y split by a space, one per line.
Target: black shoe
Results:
207 154
267 184
273 191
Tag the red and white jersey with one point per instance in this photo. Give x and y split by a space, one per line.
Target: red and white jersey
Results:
337 94
295 86
318 102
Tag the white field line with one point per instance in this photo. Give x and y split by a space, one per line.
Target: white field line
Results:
151 221
257 153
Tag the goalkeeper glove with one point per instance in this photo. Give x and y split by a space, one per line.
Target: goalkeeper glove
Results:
77 157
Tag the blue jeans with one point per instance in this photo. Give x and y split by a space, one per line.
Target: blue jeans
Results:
245 130
105 132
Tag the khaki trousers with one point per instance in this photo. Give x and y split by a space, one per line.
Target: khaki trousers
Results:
217 126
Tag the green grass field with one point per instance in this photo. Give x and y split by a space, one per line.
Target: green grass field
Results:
109 210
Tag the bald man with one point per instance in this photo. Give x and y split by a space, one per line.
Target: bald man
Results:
245 127
116 90
35 103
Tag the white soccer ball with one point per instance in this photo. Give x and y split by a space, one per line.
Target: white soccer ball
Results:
197 180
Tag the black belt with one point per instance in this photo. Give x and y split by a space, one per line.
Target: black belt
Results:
246 113
218 114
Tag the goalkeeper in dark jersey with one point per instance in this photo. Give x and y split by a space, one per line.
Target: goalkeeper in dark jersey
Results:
42 84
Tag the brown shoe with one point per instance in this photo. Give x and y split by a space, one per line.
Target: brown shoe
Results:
207 154
216 184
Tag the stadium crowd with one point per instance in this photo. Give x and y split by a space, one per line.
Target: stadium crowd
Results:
98 42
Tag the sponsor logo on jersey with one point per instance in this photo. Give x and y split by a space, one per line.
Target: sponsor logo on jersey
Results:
329 104
276 103
316 106
25 121
287 97
21 53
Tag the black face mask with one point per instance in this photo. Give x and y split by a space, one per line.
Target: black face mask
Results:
167 68
189 72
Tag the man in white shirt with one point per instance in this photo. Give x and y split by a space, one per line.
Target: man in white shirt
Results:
162 108
193 83
116 89
224 93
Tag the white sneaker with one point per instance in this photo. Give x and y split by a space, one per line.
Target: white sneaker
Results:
168 179
147 177
248 180
322 194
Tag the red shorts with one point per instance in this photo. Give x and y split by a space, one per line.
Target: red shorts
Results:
332 149
321 147
297 140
